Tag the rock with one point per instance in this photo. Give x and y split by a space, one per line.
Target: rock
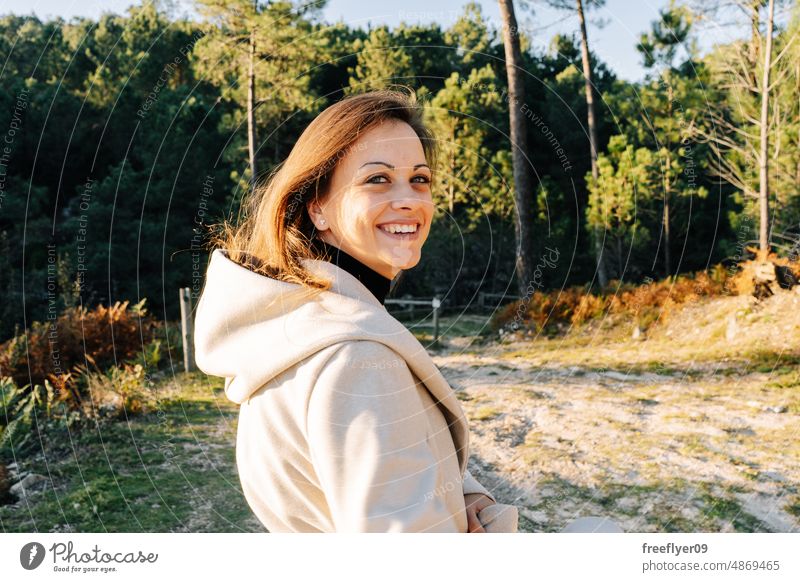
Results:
776 409
627 503
617 376
592 524
27 485
537 517
772 476
765 272
732 329
637 333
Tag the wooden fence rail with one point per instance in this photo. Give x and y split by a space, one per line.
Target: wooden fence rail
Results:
434 303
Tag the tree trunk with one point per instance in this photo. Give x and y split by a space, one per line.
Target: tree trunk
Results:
523 175
668 186
251 114
797 150
755 39
763 170
602 274
451 191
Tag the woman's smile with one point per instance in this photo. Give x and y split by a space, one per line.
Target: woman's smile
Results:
401 231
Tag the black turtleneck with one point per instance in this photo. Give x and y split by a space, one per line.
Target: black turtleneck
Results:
372 280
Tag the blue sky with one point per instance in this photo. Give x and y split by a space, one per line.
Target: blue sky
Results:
613 29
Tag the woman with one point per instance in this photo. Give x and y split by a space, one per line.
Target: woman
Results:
345 422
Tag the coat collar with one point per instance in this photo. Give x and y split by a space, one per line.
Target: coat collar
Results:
377 284
342 282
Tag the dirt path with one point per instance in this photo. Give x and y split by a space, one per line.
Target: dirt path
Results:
699 451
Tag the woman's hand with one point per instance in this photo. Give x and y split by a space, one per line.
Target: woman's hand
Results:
474 503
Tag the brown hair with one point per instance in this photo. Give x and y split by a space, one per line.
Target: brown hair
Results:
276 232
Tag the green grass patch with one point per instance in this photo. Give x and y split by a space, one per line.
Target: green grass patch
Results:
486 413
171 470
729 510
793 507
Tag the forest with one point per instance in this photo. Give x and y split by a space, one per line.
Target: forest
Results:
634 241
127 138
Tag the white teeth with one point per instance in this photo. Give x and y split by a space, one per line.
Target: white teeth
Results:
395 228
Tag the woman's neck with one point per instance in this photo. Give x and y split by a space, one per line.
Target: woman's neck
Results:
377 284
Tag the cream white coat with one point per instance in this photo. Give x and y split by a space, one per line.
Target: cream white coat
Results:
346 424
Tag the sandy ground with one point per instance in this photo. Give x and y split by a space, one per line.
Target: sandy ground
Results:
702 445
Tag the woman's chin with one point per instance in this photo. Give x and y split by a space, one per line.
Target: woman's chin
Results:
402 258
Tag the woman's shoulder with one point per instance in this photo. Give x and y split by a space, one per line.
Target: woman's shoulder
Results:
362 354
364 376
366 367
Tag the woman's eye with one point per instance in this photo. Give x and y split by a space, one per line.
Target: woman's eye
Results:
377 179
422 179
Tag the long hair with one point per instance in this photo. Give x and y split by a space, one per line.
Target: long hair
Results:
276 232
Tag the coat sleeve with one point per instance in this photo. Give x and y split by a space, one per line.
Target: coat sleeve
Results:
368 439
471 485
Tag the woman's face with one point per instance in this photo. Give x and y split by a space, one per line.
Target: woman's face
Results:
379 189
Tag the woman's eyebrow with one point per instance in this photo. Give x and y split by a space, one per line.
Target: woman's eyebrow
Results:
390 166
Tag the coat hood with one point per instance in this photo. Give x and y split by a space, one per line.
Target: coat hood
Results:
249 328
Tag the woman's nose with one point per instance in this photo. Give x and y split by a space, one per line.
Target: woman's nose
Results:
411 199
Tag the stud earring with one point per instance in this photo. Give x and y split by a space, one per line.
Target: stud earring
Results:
322 221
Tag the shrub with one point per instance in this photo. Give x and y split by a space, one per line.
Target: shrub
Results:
21 407
92 396
103 336
101 354
646 303
120 391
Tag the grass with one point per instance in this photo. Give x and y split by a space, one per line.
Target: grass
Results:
728 510
793 507
691 507
173 470
485 413
664 358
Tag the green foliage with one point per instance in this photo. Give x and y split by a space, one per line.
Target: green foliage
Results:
464 116
278 41
144 112
732 127
624 187
382 63
666 36
474 40
113 384
20 409
118 392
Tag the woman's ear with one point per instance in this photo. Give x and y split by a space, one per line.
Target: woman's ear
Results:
315 213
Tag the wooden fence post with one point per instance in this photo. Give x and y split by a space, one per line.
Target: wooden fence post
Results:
186 329
435 303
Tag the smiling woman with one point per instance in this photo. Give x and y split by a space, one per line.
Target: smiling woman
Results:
379 211
345 422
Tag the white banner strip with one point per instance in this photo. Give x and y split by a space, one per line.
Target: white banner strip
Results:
390 557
